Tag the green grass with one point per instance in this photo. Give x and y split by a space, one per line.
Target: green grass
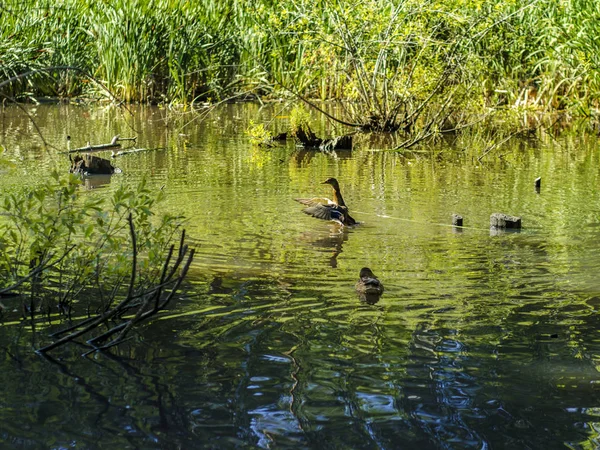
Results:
404 63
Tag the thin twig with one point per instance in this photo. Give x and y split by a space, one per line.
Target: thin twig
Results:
497 144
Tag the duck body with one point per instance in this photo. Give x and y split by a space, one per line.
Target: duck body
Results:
368 284
326 209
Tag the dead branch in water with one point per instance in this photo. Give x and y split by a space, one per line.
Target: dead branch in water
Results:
146 303
114 143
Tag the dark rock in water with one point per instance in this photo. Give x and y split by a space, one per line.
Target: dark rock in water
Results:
457 220
504 221
91 165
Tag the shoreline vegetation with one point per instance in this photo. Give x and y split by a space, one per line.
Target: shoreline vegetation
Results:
421 68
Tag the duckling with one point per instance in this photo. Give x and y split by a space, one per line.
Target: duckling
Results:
326 209
368 284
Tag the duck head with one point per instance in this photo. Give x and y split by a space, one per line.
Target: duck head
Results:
332 182
365 272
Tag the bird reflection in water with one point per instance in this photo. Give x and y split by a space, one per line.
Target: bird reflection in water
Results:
216 287
334 241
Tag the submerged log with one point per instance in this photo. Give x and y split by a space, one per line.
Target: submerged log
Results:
305 136
504 221
91 165
337 143
280 137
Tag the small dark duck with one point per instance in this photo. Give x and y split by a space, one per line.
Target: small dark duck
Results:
368 284
323 208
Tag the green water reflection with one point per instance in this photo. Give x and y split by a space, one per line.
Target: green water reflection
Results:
480 340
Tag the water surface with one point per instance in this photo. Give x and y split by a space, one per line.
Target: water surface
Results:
481 340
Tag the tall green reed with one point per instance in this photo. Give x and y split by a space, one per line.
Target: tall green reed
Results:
384 58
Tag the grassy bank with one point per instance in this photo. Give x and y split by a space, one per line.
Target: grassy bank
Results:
402 64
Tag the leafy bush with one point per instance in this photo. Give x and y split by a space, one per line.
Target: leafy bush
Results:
61 245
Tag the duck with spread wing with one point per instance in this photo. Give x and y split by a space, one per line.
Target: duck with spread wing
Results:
326 209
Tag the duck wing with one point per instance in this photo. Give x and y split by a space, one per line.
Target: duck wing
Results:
326 212
315 201
372 285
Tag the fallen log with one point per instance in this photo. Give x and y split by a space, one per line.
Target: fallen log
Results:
114 143
337 143
305 137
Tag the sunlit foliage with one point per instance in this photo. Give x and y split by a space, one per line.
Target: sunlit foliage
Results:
386 56
61 243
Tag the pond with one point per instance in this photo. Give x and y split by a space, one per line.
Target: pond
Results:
481 339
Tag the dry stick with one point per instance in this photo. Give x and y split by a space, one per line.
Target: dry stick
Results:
119 327
108 314
114 143
145 303
497 144
153 293
89 319
73 327
163 275
135 318
107 346
95 321
146 314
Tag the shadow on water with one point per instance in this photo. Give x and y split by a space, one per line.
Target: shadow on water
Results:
479 341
